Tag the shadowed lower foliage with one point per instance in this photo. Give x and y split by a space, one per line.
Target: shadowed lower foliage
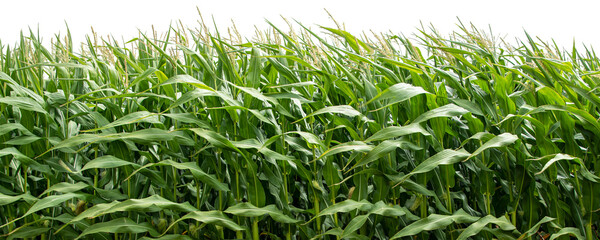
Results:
299 135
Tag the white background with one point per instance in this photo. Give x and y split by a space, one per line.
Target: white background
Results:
564 21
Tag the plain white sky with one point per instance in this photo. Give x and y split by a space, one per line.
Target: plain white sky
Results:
564 21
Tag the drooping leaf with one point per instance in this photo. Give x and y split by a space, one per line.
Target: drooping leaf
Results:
449 110
194 169
568 231
24 159
343 110
394 132
496 142
249 210
346 147
445 157
47 202
397 93
435 221
66 187
384 148
27 232
533 230
345 206
119 225
211 217
153 203
23 103
6 199
476 227
141 116
215 139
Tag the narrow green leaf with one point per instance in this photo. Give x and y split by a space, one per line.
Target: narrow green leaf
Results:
345 206
445 157
435 221
343 110
6 199
397 93
65 187
141 116
496 142
476 227
50 201
383 149
568 231
23 103
211 217
449 110
249 210
394 132
119 225
346 147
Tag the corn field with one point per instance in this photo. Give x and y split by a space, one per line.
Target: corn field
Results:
300 134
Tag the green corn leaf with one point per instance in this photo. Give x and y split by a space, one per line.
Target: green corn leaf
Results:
445 157
107 161
394 132
449 110
8 127
153 203
496 142
169 237
435 221
22 140
47 202
533 230
388 210
193 168
476 227
567 231
343 110
28 232
345 206
346 147
144 136
354 224
16 154
211 217
397 93
65 187
215 139
142 116
119 225
23 103
249 210
7 199
559 157
384 148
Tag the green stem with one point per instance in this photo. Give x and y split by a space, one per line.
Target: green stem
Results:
95 170
255 233
588 226
24 179
315 197
578 190
449 200
488 203
174 185
317 211
588 230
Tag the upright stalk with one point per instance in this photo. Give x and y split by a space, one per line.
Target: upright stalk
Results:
255 233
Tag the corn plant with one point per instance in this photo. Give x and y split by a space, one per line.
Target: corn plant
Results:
298 134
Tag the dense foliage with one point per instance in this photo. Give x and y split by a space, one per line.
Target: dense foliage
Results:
299 135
